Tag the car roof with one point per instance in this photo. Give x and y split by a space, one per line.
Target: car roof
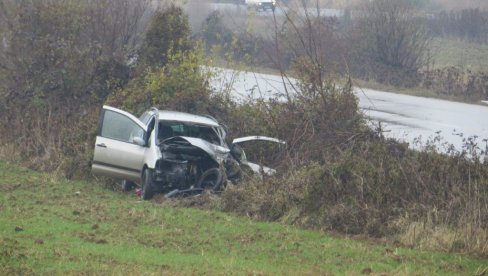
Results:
166 115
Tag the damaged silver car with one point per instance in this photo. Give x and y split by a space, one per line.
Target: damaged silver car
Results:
169 152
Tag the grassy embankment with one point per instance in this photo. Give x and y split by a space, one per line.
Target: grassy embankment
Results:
50 225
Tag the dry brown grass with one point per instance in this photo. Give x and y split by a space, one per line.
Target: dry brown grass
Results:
463 239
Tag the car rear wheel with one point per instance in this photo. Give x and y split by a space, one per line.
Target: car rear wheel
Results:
148 189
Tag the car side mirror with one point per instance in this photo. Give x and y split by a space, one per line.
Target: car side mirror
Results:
139 141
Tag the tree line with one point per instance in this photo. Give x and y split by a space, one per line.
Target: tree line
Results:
469 24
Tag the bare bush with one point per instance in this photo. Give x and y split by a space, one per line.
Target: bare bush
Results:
58 61
390 38
456 83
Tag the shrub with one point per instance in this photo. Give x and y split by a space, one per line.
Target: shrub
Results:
180 84
456 83
168 33
389 42
57 66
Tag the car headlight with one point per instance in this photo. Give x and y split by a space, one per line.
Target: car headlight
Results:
220 149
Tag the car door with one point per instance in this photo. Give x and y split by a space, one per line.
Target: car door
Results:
120 145
255 166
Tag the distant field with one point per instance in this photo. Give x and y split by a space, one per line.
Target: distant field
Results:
56 227
467 55
444 4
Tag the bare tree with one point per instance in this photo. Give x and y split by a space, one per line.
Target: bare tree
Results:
63 47
391 34
59 59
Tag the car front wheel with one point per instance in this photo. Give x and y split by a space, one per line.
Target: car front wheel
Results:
212 179
148 189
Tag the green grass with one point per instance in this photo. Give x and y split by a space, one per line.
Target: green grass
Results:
459 53
51 226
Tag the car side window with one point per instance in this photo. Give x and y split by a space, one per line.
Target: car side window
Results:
119 127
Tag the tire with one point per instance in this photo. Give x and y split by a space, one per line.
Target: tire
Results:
211 179
148 189
127 185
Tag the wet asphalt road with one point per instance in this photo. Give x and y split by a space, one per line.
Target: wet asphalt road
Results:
412 119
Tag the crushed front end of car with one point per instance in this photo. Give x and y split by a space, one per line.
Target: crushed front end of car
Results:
190 163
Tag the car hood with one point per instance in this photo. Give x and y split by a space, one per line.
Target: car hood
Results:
216 152
257 138
257 168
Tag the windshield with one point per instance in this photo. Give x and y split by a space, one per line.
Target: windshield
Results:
170 129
